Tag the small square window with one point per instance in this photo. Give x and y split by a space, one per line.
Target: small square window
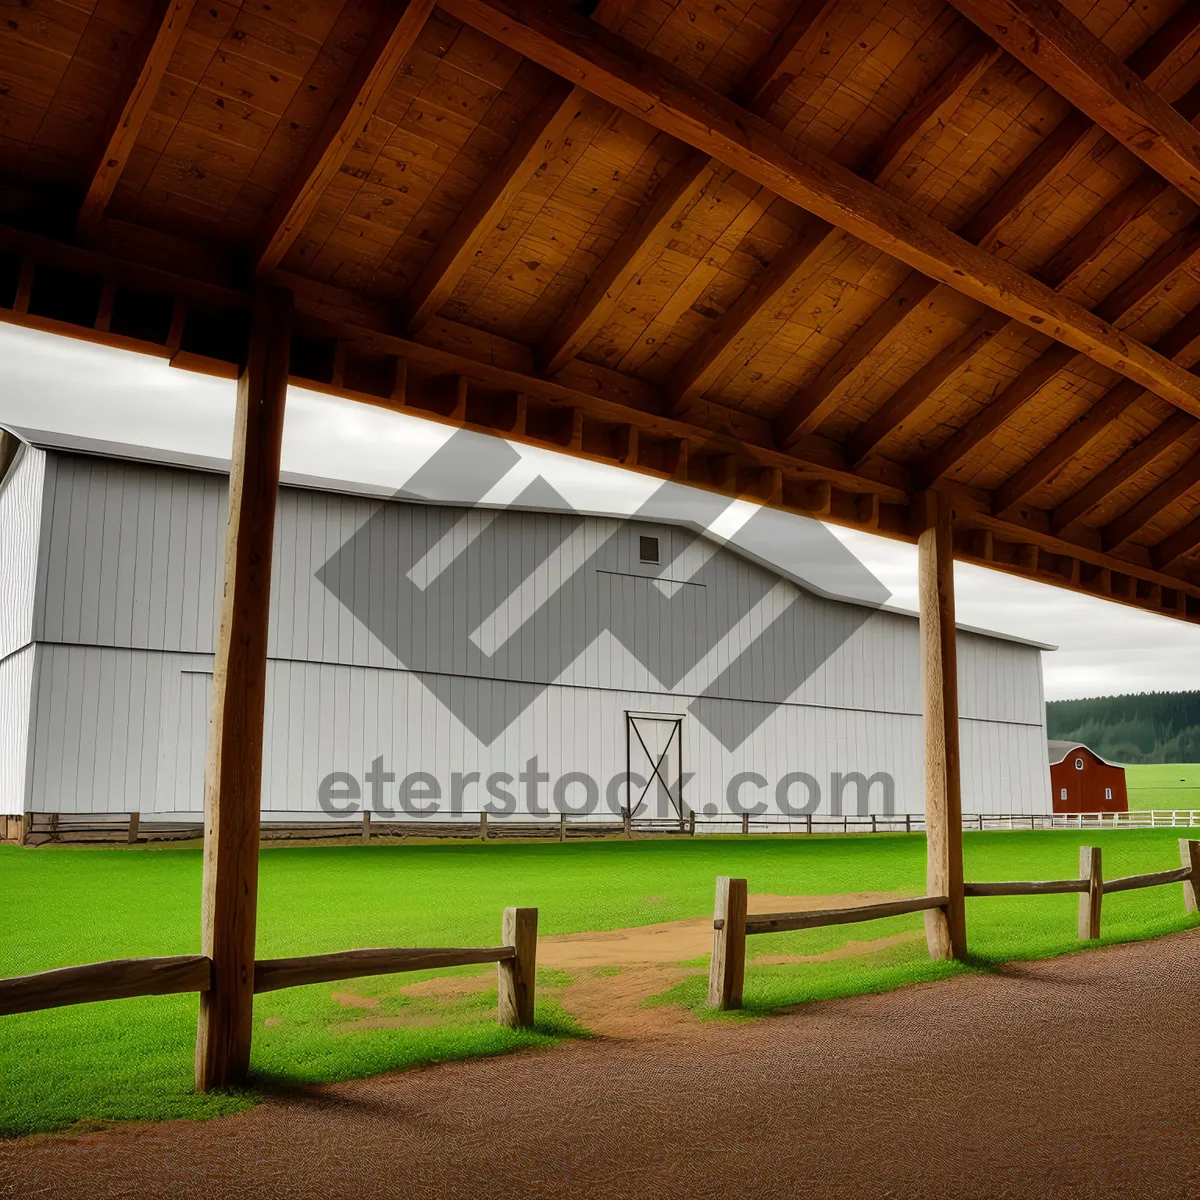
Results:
648 549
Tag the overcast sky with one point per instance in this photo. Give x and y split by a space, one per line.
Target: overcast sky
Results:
71 386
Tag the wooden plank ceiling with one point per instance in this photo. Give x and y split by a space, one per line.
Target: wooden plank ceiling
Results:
829 255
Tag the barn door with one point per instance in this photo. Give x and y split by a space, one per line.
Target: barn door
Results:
654 753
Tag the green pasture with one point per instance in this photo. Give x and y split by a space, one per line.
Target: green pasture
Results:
132 1059
1163 785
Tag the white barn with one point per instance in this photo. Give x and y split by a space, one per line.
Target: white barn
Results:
521 661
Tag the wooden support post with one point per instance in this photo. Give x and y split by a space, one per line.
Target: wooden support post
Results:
516 975
483 834
692 824
134 820
52 821
26 827
1189 855
1091 869
727 970
366 830
562 827
745 823
945 929
233 777
629 826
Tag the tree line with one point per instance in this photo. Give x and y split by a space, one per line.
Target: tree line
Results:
1149 727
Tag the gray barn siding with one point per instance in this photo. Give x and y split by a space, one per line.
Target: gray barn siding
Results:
20 527
16 706
129 584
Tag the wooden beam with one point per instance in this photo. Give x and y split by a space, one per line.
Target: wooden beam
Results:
1177 254
481 214
1181 344
806 410
1051 362
945 928
658 93
1116 474
1117 532
1058 48
233 776
164 27
356 105
1032 174
682 185
889 418
799 261
118 979
1178 545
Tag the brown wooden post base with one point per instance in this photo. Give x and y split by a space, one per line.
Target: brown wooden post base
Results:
1189 856
233 776
1090 902
945 928
516 977
727 971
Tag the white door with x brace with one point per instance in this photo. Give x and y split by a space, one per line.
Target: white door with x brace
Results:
654 760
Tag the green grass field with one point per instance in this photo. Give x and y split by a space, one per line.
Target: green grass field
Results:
1163 785
133 1058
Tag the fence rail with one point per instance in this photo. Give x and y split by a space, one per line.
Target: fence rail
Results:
122 979
732 924
40 828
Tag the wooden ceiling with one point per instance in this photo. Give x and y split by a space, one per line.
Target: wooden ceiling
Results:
829 255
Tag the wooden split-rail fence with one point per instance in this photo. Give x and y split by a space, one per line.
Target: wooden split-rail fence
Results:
732 924
515 957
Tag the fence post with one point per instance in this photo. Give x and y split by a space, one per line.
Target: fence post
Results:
1090 868
562 827
134 818
516 975
1189 855
629 825
745 822
728 967
808 822
366 829
483 834
692 824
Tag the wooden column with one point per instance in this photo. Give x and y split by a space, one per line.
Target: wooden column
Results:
233 773
945 929
516 977
727 967
1090 902
1189 855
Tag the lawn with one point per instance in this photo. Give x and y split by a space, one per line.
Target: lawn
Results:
132 1058
1163 785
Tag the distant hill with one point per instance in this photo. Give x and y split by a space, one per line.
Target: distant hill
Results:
1150 727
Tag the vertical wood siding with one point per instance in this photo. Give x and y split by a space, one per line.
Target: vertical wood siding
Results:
20 527
484 614
16 707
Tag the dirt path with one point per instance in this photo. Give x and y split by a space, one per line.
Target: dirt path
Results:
1075 1077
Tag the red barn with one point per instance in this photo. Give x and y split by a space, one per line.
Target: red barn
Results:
1083 782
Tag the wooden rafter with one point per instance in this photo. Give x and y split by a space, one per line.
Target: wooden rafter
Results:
525 157
1116 474
656 92
681 186
800 259
1119 531
164 27
1148 61
890 417
1181 344
1178 254
372 75
1178 545
1057 47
